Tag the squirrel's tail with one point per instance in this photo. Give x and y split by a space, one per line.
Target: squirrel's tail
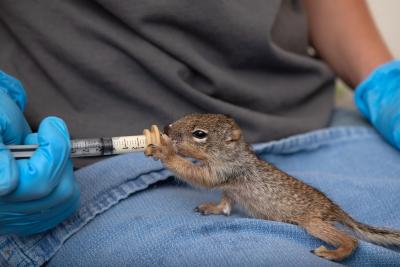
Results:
376 235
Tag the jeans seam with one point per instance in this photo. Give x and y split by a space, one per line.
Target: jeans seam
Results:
314 140
23 259
22 251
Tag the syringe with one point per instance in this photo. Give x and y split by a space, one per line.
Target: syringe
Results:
99 146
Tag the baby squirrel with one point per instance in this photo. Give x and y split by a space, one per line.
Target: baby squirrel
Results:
227 162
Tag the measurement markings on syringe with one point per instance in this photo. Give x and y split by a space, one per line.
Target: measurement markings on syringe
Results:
93 147
131 143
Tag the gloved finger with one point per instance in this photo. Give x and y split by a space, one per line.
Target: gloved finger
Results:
13 126
40 222
8 171
31 139
61 193
13 88
42 172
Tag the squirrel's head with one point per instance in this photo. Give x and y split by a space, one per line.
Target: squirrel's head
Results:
205 136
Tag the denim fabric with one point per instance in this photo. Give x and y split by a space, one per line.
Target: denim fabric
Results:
157 226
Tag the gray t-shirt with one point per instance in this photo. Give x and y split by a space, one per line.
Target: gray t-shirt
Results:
112 68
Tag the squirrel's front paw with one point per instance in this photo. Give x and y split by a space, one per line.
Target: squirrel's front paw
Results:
162 151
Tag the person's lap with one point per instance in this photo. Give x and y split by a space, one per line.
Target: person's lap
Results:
118 225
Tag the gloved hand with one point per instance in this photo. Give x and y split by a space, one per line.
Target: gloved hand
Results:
37 193
378 99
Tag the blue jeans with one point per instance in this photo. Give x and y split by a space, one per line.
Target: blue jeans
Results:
134 213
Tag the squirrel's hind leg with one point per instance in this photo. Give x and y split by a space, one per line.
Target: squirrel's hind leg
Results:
325 231
224 207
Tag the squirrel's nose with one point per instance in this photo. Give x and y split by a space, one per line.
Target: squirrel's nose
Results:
166 129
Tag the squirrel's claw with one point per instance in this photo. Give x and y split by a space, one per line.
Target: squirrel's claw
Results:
152 151
162 151
210 208
149 150
165 140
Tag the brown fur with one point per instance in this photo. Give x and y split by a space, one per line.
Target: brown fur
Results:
227 162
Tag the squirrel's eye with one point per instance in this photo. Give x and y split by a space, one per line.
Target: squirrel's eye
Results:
199 134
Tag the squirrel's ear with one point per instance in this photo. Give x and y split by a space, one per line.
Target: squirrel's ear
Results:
236 134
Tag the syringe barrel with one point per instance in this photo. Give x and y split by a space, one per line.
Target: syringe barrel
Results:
87 147
107 146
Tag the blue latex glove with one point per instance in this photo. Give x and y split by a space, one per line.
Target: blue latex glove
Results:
378 99
37 193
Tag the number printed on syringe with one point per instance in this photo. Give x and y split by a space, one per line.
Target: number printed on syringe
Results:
125 144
